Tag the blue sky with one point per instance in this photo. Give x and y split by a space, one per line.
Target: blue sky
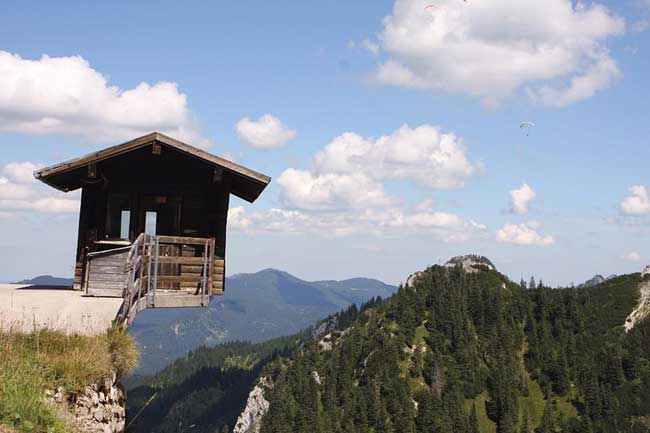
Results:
323 69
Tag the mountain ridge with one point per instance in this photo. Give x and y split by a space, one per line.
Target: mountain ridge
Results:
414 357
255 307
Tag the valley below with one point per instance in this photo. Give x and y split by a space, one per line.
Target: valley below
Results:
461 348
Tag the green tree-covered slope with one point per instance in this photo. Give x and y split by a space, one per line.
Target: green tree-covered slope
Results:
473 352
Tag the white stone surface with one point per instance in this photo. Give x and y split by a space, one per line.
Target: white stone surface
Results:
645 271
642 309
25 307
250 420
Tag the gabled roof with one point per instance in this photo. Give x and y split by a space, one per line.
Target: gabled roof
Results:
247 184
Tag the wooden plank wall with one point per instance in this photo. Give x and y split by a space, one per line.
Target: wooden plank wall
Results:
106 274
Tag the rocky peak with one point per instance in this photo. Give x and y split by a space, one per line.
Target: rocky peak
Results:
471 263
645 271
595 280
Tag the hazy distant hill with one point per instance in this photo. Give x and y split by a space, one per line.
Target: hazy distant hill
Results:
47 280
255 307
597 279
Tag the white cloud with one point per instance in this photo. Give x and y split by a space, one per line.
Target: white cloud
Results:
554 50
343 194
632 256
304 190
523 234
423 155
237 218
372 47
266 132
19 191
520 198
381 222
65 95
637 203
598 76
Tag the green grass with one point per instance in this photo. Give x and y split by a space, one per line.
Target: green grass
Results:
485 425
31 363
532 405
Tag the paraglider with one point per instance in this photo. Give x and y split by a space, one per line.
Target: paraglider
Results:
526 125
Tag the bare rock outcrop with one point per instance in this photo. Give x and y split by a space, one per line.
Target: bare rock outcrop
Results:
325 327
471 263
98 408
642 309
645 271
410 281
250 420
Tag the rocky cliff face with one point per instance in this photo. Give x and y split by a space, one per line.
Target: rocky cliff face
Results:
471 263
98 408
250 420
642 309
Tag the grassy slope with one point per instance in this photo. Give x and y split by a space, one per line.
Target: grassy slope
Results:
44 360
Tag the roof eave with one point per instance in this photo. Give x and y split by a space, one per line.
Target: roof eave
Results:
250 175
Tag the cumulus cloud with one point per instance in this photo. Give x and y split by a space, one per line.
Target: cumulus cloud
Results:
632 256
343 193
523 234
555 51
304 190
266 132
19 191
423 155
637 203
65 95
237 218
520 198
389 221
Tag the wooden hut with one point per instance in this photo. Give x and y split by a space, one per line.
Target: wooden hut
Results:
152 222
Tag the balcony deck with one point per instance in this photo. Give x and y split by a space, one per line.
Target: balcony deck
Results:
156 272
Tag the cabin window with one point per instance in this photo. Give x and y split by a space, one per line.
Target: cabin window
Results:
150 222
118 217
125 224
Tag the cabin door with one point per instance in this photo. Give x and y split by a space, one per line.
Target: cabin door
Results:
159 215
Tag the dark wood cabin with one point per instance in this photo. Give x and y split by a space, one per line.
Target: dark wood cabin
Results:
152 222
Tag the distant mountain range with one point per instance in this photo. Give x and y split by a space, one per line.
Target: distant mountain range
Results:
47 280
255 307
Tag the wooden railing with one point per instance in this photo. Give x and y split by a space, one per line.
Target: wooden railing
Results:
160 266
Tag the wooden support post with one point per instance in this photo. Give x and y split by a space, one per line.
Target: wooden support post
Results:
155 271
205 270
